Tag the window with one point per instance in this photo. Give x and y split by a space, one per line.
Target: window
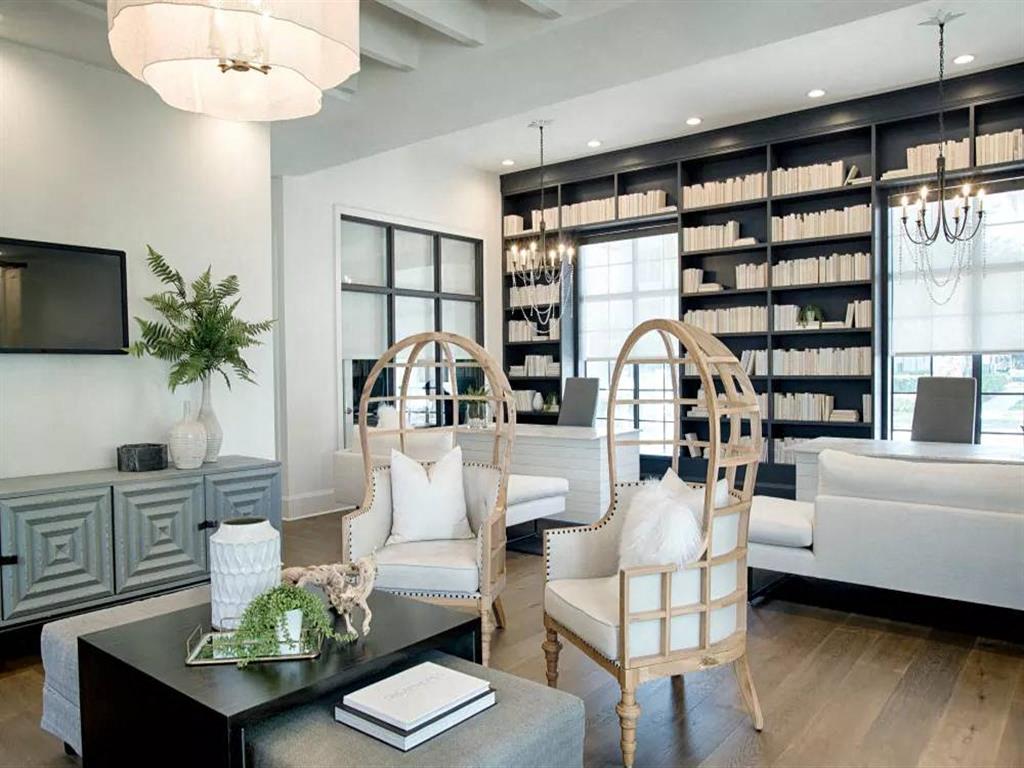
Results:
398 281
621 284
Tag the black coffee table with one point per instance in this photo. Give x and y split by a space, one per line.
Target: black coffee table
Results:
140 704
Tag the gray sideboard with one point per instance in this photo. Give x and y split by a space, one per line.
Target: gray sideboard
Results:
79 540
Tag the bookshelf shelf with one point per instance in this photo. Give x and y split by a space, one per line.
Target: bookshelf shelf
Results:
821 286
727 249
812 376
532 343
820 331
822 240
735 205
802 423
811 194
726 292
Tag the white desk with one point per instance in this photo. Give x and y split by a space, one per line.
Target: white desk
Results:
579 454
807 456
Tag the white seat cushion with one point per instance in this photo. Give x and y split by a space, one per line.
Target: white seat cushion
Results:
524 488
590 608
781 522
429 566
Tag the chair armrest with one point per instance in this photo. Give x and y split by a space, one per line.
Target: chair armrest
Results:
365 530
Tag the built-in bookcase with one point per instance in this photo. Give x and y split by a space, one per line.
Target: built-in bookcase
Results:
873 136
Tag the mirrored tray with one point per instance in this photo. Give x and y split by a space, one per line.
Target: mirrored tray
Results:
201 650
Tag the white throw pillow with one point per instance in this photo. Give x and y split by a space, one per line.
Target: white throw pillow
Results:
664 523
427 504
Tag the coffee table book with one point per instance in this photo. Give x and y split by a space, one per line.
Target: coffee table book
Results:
413 706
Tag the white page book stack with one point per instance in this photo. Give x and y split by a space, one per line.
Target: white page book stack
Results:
413 706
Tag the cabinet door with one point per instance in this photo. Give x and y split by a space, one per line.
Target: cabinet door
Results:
247 493
64 550
157 532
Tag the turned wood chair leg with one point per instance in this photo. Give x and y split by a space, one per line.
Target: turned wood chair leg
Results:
499 613
747 690
486 630
629 712
552 647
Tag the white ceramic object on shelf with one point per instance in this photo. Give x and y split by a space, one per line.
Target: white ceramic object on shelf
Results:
187 441
245 561
538 401
214 433
289 631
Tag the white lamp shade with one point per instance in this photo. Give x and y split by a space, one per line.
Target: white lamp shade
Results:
178 46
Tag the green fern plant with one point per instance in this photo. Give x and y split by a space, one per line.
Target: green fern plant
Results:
199 334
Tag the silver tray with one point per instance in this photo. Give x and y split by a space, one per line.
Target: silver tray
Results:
200 652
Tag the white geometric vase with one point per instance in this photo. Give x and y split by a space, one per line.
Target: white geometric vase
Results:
214 433
245 561
187 441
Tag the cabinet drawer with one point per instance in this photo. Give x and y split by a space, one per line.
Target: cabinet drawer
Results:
248 493
63 543
157 533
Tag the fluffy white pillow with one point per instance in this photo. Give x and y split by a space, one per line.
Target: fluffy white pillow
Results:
428 504
664 523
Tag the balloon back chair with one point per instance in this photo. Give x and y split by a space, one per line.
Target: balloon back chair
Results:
642 623
429 374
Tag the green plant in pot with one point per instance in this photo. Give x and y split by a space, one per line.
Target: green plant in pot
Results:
282 620
551 402
199 336
476 410
811 314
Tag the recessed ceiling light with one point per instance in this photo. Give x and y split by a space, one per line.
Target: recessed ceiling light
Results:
694 121
815 93
508 162
594 143
964 58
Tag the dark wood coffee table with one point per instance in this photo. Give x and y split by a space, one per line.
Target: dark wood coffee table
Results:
140 704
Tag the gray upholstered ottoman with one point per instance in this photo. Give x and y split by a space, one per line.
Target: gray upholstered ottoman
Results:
531 725
59 650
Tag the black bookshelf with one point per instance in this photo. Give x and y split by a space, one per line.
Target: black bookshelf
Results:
872 133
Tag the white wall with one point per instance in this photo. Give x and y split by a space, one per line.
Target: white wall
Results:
412 185
93 157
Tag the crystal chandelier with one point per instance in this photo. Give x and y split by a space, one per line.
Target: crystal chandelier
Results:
954 225
545 272
237 59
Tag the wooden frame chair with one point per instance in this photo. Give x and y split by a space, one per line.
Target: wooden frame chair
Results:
439 357
676 620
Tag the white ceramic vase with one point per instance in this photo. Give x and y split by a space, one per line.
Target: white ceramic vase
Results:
289 632
214 433
187 441
538 401
245 561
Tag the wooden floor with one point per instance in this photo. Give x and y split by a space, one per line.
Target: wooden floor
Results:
838 688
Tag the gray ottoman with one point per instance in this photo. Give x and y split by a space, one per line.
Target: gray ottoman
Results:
531 725
59 649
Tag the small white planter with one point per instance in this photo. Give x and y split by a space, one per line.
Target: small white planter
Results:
289 632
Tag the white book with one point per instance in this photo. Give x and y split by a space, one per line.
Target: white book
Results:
407 739
409 699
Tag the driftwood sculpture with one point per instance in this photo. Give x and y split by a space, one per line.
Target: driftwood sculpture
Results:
347 586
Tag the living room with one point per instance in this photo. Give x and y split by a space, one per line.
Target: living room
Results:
358 357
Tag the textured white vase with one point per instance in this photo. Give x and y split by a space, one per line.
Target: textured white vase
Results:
214 433
245 561
187 441
538 401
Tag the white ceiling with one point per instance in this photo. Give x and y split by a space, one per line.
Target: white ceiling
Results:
466 76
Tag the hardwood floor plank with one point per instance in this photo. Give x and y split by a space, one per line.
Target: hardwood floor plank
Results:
971 727
900 733
1011 744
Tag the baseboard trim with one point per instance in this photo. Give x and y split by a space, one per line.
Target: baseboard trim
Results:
308 504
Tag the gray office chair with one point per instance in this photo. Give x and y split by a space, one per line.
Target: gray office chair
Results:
579 403
944 410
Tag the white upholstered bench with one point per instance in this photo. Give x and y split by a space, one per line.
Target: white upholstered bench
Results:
59 649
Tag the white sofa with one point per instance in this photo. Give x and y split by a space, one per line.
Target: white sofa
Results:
947 530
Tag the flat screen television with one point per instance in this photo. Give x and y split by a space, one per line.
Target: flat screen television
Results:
62 298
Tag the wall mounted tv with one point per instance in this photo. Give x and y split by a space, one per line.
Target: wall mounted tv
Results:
62 298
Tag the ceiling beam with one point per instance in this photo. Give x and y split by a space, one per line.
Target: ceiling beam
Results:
549 9
461 20
388 38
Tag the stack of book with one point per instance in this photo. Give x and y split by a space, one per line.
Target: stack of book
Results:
921 159
730 320
588 212
803 406
512 224
550 216
527 330
524 399
754 362
409 708
783 449
734 190
536 365
700 410
825 361
866 404
693 282
539 293
837 268
751 276
647 203
852 219
847 415
785 317
858 314
1002 147
714 236
806 178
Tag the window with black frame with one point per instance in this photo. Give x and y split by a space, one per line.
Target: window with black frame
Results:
397 281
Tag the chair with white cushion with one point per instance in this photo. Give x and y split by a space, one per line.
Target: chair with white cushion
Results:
645 622
451 571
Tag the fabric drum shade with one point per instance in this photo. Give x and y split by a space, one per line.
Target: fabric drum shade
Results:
286 51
